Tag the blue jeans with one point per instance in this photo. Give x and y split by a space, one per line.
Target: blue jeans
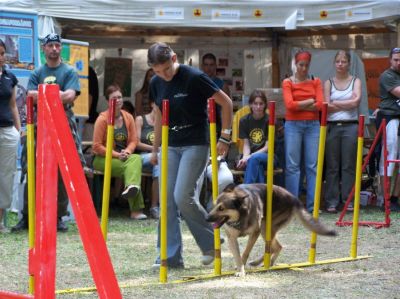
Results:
255 169
185 165
301 142
148 167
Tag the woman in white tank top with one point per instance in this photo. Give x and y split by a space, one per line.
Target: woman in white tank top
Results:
343 94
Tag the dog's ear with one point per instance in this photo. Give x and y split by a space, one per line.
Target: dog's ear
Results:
229 188
241 202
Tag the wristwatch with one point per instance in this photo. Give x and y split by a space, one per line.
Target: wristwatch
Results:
226 131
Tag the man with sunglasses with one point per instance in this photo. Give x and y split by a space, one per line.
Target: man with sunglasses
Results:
54 71
389 109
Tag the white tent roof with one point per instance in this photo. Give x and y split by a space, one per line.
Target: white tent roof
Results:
228 14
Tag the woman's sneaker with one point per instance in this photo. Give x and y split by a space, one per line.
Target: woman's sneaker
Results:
155 212
130 191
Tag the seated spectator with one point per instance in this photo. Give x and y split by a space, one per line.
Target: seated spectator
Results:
253 129
142 103
124 163
145 132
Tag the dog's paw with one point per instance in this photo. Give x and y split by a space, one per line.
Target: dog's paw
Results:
255 263
240 274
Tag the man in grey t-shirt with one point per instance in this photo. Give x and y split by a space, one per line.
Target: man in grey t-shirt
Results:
389 109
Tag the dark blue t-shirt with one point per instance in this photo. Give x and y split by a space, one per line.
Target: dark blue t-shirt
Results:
7 82
187 92
255 130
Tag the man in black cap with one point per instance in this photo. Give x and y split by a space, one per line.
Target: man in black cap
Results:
54 71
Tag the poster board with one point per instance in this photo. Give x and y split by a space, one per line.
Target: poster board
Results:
374 67
76 54
19 32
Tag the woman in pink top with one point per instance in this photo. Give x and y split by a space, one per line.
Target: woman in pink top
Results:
303 97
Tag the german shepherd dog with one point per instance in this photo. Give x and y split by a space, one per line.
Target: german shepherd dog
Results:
242 209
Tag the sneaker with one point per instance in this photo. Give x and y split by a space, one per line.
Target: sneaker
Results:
394 207
130 191
61 226
207 259
21 225
156 266
138 216
155 212
331 210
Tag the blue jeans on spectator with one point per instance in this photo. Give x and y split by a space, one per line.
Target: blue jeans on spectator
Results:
185 165
255 169
301 142
148 167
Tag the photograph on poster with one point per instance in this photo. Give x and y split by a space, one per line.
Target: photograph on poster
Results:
239 85
237 73
228 81
222 61
19 53
237 97
220 72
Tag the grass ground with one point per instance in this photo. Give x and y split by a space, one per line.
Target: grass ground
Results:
132 249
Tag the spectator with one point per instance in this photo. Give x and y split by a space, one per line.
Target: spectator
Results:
9 134
253 129
303 97
389 109
87 133
188 150
54 71
145 131
124 163
209 67
225 177
142 103
343 94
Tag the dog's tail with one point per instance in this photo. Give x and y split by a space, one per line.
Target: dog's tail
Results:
313 224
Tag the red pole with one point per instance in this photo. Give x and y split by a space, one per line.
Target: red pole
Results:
44 268
72 173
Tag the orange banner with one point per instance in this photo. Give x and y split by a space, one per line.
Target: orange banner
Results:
374 67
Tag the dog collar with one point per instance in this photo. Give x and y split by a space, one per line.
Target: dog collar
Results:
235 225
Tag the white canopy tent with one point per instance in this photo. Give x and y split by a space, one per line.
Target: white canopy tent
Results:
226 14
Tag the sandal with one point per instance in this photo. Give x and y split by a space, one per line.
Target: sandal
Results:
331 210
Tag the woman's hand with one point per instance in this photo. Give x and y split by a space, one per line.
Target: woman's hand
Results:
154 158
123 155
222 148
241 164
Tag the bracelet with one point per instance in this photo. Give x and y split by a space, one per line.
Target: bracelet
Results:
224 140
226 131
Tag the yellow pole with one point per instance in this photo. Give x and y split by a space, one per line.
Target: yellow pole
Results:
214 168
163 195
270 181
107 169
318 180
360 144
30 141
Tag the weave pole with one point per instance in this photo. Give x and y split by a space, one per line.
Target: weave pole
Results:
107 169
214 168
381 133
356 213
164 186
270 183
30 147
318 180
